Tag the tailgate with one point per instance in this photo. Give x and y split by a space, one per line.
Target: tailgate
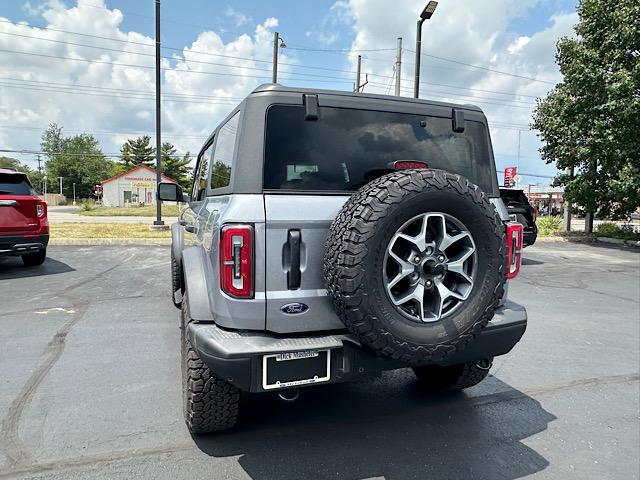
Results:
18 214
296 233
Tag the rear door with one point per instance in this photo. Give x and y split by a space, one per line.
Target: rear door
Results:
315 158
17 205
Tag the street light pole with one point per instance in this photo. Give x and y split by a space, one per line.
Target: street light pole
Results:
74 193
60 185
425 15
158 220
274 73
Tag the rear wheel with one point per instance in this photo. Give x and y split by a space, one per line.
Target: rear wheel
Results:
453 377
210 404
34 259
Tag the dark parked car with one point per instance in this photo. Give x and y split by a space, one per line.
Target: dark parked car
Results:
521 211
24 229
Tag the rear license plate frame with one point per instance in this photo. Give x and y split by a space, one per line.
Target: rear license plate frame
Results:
288 358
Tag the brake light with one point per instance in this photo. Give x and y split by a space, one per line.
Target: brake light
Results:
236 260
409 165
41 209
514 249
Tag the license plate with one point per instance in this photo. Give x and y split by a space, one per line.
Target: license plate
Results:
289 369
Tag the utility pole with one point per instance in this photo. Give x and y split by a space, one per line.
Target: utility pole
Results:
74 193
358 85
398 66
518 157
44 188
60 185
158 220
274 78
39 167
425 15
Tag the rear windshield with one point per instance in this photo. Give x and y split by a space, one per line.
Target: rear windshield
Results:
346 148
12 184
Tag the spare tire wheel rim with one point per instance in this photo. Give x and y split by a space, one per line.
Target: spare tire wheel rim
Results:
430 267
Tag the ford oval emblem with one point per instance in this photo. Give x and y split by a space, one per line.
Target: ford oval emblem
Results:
294 308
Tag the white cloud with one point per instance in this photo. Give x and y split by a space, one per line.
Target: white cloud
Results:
39 88
476 33
239 17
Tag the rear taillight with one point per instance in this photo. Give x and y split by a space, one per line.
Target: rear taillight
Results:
236 260
514 249
41 209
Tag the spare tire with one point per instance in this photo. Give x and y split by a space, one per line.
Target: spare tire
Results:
415 264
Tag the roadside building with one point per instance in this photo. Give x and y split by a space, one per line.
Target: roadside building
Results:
546 200
133 188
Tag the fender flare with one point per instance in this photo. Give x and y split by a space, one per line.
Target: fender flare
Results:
195 281
177 242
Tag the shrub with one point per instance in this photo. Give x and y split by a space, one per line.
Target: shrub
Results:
613 230
549 225
88 205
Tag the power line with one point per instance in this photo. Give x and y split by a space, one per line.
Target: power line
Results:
109 132
482 68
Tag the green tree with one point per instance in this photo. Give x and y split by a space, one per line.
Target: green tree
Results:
9 162
136 152
82 162
220 175
175 166
53 140
590 121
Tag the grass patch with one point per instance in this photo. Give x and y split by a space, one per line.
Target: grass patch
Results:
146 211
105 230
549 225
613 230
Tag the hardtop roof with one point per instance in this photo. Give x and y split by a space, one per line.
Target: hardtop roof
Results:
277 88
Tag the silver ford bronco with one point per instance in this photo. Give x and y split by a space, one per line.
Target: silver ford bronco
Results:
330 236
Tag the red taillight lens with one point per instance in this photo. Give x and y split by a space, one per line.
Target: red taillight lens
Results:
41 209
404 165
236 260
514 249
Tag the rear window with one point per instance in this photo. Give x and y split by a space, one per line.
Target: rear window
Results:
346 148
12 184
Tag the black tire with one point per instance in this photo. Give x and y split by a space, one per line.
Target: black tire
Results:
176 281
355 252
210 404
452 378
34 259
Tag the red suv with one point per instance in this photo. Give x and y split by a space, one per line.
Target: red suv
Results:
24 229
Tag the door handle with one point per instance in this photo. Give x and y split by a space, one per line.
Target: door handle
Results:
294 239
190 228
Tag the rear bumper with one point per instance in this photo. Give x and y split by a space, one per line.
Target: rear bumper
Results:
237 356
20 245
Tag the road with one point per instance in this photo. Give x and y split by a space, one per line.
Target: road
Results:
90 385
65 214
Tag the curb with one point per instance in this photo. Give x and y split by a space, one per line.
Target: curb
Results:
618 241
589 239
110 241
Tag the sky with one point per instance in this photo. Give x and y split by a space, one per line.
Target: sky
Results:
88 65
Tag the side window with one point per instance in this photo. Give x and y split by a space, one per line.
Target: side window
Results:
200 177
224 152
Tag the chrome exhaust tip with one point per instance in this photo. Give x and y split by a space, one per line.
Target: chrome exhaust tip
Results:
289 395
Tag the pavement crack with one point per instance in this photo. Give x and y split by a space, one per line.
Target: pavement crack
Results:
12 445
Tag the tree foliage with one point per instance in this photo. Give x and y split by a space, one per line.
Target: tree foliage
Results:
591 120
9 162
136 152
175 166
78 159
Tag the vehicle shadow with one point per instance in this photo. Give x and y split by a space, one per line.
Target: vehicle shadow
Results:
12 267
371 430
531 261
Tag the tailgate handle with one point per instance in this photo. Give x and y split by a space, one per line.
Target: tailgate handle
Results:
293 274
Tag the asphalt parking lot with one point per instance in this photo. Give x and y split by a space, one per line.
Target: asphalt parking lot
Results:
90 385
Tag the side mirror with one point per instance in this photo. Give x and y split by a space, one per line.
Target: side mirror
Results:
170 192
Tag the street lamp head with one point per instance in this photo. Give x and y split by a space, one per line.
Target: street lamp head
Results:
428 10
